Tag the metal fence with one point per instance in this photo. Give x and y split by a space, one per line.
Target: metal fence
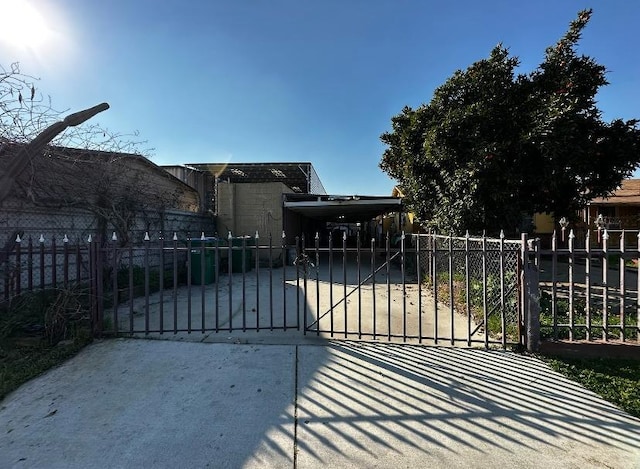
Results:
428 287
478 277
31 265
590 292
367 290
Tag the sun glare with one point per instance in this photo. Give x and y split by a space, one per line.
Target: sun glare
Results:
22 26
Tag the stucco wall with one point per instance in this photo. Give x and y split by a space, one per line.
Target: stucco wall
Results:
244 209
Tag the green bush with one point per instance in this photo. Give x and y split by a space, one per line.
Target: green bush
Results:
138 276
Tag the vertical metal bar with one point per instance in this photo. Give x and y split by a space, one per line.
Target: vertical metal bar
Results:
467 281
114 274
404 286
373 285
305 268
571 287
54 262
298 256
65 273
623 292
93 288
331 281
217 277
230 278
637 254
523 316
554 284
146 283
503 313
78 261
484 291
388 249
452 311
175 283
317 246
284 279
42 262
587 269
18 242
191 253
416 237
7 286
244 288
30 264
100 284
358 279
203 277
130 296
256 244
434 279
304 283
271 282
605 286
161 283
344 281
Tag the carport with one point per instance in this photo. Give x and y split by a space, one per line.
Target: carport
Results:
311 213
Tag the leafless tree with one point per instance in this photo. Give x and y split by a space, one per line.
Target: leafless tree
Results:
85 166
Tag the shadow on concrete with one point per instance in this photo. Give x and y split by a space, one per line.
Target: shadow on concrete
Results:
158 403
391 405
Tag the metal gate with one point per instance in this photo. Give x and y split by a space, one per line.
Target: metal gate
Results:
417 288
409 288
414 288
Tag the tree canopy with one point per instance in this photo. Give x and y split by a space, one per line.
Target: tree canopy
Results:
492 146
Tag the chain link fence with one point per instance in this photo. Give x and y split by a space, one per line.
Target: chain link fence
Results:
480 276
42 249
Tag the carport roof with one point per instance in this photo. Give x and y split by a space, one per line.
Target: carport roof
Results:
342 208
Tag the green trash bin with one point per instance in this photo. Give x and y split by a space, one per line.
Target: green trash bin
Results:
238 254
196 258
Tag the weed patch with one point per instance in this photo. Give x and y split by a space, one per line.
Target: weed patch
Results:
616 380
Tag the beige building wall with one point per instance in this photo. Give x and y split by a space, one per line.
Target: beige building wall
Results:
246 208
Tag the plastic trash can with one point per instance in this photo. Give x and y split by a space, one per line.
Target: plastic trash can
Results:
197 258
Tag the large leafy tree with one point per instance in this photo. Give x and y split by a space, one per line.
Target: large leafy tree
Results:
492 146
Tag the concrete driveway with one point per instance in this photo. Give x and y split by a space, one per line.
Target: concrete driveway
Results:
155 403
352 300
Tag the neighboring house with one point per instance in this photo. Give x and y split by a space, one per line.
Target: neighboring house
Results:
619 211
248 197
75 192
399 220
273 198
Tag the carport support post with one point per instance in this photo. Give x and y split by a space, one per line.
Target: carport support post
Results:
531 298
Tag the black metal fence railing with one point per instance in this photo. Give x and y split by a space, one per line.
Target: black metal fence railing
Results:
424 288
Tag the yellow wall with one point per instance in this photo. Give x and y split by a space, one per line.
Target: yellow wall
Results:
544 223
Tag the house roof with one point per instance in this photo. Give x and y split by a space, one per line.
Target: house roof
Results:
627 194
71 176
300 177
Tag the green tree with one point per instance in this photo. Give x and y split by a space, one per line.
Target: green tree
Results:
492 146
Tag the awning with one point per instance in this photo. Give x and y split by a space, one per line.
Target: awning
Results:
341 208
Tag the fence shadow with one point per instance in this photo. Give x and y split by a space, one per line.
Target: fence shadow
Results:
425 406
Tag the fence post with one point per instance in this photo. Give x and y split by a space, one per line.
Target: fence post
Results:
95 273
530 297
533 300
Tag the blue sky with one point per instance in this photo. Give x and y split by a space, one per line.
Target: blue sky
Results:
296 80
